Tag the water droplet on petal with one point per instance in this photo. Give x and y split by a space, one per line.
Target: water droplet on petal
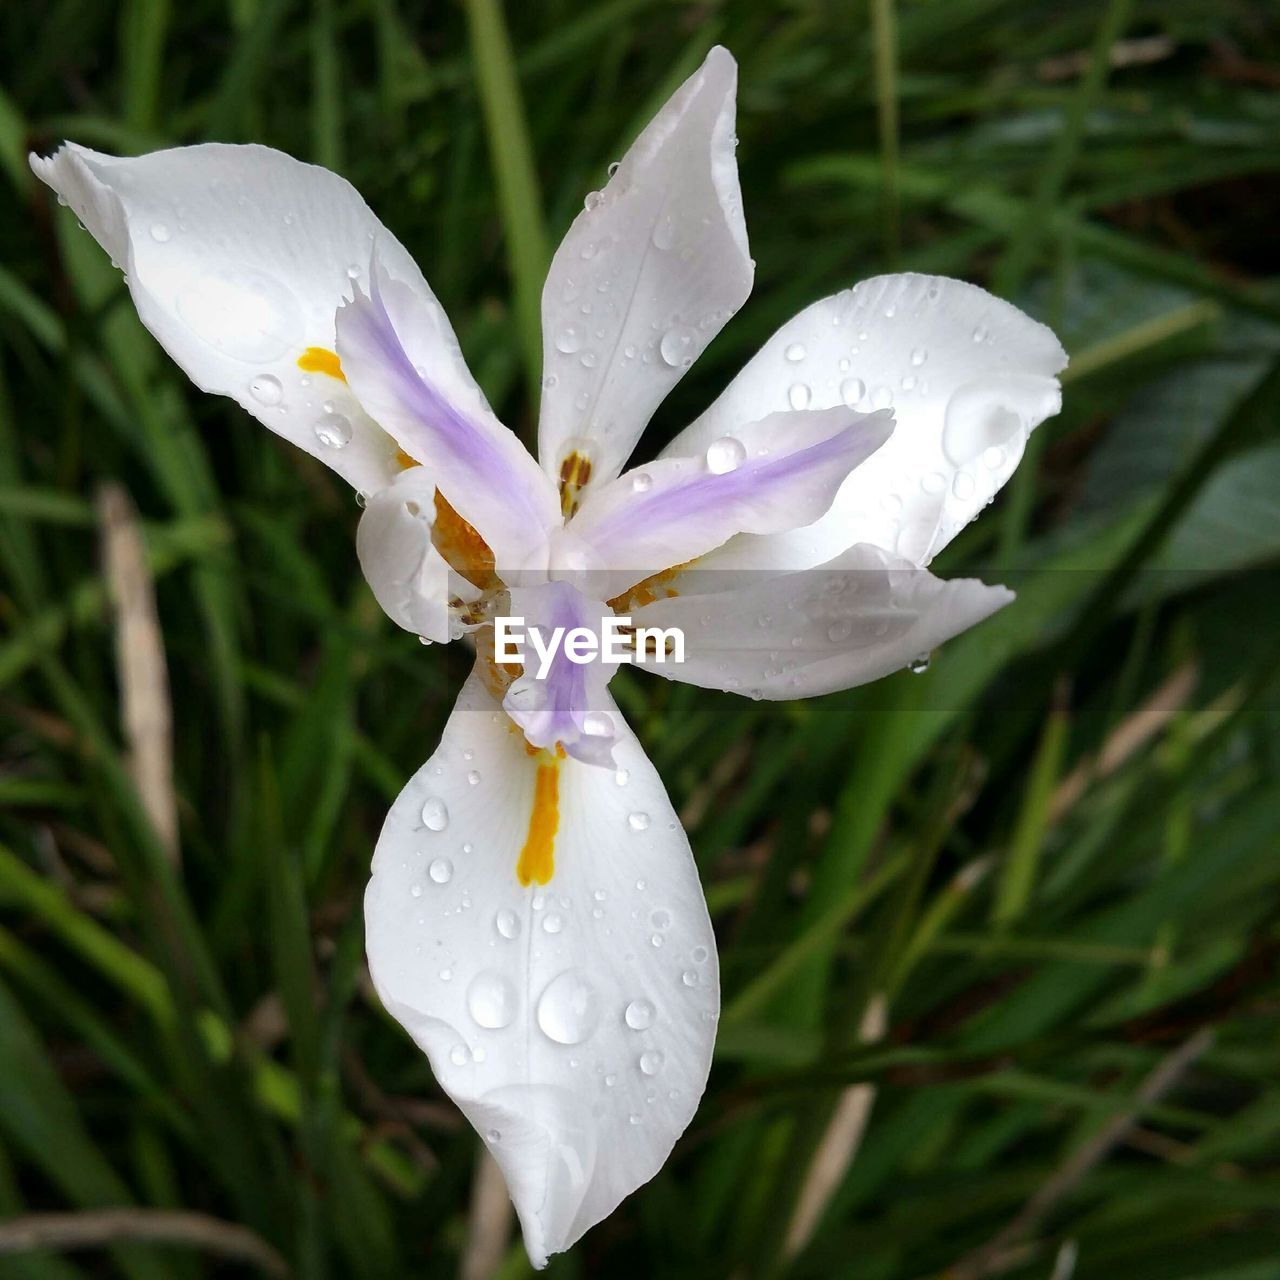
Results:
919 356
435 814
494 1135
569 339
651 1062
507 923
527 694
799 395
160 232
660 919
679 345
473 777
333 430
593 200
699 954
569 1009
459 1055
725 455
918 666
839 630
852 390
689 977
795 352
552 923
638 821
641 482
491 1000
980 333
622 777
638 1015
440 870
266 389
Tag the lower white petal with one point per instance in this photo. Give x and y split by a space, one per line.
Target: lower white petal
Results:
861 616
571 1020
967 375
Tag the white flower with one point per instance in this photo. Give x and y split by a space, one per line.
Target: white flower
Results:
534 917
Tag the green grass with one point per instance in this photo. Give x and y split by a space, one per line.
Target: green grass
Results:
1054 857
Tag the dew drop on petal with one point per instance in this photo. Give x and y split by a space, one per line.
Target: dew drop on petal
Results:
919 665
725 455
160 232
527 694
963 486
795 352
552 923
491 1000
852 390
919 356
333 430
622 777
266 389
638 821
689 977
435 814
799 395
440 870
679 345
638 1015
651 1062
592 201
699 954
569 339
507 923
569 1009
839 630
641 482
459 1055
660 919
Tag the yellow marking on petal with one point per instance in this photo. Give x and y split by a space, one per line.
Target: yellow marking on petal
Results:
537 858
655 586
405 461
575 471
321 360
462 546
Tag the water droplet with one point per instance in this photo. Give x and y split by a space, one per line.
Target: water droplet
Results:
882 398
494 1135
491 1000
641 482
597 724
664 233
795 352
963 486
333 430
651 1062
507 923
689 977
725 455
440 870
993 458
799 395
160 232
435 814
699 954
589 359
640 884
459 1055
569 339
634 1118
918 666
592 201
622 777
266 390
638 821
679 345
415 891
935 482
569 1009
614 165
919 356
552 923
527 694
638 1015
839 630
981 333
660 919
656 940
852 390
473 777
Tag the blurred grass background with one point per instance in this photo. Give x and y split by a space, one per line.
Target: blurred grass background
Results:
999 941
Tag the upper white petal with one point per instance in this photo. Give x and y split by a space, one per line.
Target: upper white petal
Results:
968 377
237 258
645 278
796 634
572 1022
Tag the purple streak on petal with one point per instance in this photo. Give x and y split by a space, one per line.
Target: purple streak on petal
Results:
442 427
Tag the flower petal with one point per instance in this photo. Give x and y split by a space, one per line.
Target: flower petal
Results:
389 340
576 1045
645 278
794 635
968 377
237 258
409 577
560 702
765 477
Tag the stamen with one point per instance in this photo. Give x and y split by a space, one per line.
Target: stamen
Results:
575 471
321 360
537 858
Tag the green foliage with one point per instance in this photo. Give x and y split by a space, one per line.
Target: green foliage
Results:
1051 859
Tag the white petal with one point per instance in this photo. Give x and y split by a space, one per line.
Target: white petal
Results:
645 278
968 376
793 635
237 258
409 577
769 476
576 1045
389 339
